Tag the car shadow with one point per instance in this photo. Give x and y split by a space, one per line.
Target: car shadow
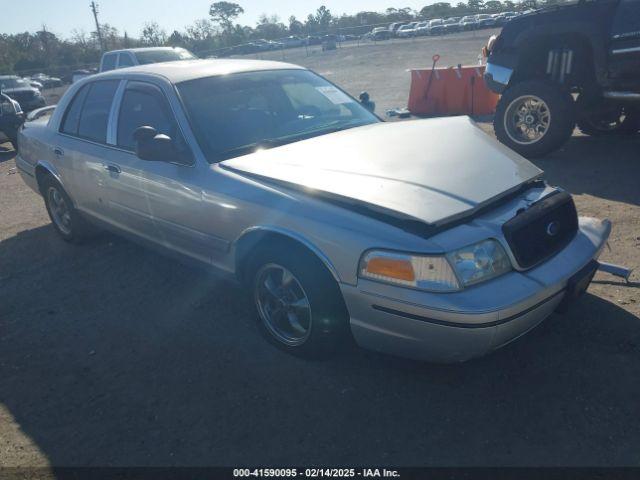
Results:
115 355
605 167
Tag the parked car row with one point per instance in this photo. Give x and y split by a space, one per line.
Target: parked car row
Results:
441 26
22 91
292 41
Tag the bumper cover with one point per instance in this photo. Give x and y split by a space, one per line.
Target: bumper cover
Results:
454 327
497 77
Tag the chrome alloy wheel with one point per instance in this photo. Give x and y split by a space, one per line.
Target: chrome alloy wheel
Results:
527 119
60 211
282 304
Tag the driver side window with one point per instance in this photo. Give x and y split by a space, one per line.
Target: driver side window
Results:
144 105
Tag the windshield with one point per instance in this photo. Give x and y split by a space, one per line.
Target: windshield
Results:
157 56
235 114
13 83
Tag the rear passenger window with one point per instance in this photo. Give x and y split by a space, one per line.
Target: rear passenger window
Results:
95 111
125 60
72 115
143 106
109 62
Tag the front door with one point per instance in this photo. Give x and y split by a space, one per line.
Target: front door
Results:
624 53
172 193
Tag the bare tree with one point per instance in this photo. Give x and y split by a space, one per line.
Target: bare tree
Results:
153 35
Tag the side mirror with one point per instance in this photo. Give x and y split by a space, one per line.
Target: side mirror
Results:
366 102
154 147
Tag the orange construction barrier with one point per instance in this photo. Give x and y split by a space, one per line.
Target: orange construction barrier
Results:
450 91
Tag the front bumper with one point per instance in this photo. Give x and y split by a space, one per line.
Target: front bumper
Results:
497 77
454 327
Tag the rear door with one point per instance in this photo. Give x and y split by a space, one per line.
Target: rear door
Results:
624 59
81 149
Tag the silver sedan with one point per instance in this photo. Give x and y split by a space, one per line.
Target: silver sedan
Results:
424 239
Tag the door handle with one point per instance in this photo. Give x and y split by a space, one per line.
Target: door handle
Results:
112 168
58 151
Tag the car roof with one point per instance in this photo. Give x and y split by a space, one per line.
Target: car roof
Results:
143 49
184 70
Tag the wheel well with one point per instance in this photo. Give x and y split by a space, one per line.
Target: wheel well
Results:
257 240
535 60
41 174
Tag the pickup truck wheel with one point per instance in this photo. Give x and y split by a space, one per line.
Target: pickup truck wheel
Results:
534 118
597 119
67 221
299 305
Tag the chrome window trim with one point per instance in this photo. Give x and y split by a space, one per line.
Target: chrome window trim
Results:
625 50
112 126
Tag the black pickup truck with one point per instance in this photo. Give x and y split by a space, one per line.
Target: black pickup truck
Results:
577 63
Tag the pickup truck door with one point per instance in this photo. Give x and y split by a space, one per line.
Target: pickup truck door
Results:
624 53
172 192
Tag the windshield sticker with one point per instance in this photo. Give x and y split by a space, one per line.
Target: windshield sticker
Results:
334 95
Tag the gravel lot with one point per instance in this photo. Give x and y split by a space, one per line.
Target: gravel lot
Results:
111 354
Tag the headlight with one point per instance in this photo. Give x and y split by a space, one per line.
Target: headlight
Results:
422 272
479 262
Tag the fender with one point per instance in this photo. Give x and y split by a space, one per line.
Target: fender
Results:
293 236
51 169
581 29
564 21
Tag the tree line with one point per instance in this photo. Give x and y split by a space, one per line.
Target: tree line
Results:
27 53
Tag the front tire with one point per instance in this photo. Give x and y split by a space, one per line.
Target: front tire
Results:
299 304
534 118
66 220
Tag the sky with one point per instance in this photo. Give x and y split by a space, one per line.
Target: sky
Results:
63 16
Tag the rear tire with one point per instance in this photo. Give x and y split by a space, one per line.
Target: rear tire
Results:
597 118
534 118
67 221
299 305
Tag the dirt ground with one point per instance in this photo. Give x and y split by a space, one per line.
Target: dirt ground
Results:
111 354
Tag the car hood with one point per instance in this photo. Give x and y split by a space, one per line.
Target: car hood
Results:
432 171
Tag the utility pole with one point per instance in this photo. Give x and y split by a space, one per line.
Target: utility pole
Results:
94 9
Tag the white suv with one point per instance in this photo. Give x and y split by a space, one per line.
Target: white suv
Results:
142 56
